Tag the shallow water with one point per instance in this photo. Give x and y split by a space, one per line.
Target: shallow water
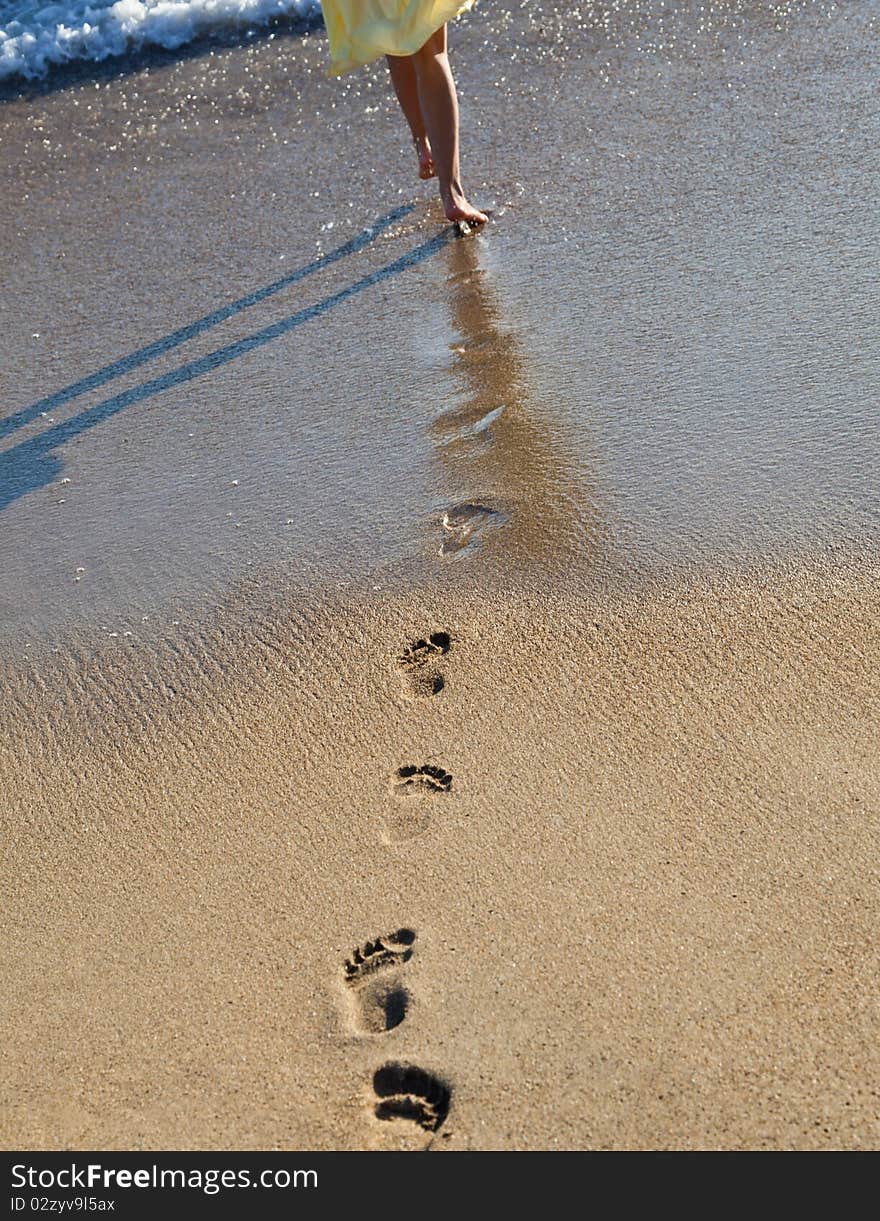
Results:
241 346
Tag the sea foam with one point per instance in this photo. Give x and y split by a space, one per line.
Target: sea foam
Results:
35 35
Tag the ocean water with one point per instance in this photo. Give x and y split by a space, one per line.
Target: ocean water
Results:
35 35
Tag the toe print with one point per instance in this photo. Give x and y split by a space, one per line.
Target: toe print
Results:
426 779
414 816
385 951
405 1092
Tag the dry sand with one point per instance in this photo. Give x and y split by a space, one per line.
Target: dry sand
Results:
635 903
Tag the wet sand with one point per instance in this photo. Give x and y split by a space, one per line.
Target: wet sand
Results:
599 862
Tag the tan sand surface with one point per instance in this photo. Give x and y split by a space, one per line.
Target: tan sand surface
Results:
634 902
645 911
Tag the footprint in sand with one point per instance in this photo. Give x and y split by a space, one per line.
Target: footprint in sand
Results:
411 781
403 1091
463 523
419 664
372 975
467 429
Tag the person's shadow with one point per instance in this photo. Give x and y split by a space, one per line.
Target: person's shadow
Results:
32 464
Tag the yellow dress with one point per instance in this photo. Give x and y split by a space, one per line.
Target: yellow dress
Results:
364 30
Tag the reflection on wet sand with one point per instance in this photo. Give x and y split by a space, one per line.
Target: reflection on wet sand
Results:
519 491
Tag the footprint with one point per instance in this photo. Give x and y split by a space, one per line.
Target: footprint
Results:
468 428
424 779
419 664
380 1000
463 523
406 1092
412 818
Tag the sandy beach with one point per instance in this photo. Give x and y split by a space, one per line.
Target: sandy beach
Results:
438 676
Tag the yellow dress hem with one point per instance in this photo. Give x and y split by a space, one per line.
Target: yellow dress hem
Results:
406 46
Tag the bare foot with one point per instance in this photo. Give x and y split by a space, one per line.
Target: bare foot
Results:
459 211
427 169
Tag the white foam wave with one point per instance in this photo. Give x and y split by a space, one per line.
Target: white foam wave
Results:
35 35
